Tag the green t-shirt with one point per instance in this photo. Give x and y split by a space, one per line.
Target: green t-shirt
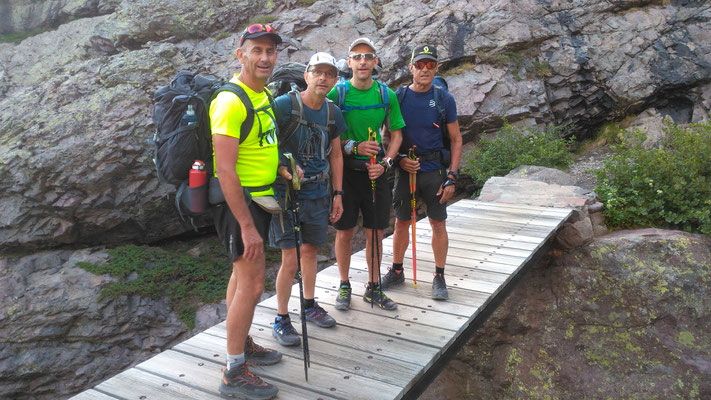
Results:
359 121
258 158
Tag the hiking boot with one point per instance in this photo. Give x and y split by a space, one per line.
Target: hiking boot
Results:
258 355
392 278
343 300
240 383
377 297
319 316
285 333
439 288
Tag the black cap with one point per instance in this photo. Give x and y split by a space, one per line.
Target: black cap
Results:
256 30
422 52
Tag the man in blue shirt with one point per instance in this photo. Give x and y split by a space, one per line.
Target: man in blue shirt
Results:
316 147
435 166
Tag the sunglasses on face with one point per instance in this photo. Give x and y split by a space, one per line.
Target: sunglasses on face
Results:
428 64
358 56
318 73
256 28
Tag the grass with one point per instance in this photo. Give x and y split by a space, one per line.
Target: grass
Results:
263 19
171 272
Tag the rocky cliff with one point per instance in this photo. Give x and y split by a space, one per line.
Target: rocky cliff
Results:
626 316
75 108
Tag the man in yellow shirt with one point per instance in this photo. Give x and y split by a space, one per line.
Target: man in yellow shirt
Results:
246 167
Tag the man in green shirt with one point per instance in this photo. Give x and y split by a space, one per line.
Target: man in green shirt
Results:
366 105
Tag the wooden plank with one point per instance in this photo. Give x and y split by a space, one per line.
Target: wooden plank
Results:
482 263
465 249
136 384
474 231
459 237
92 394
286 375
521 208
329 280
404 310
502 218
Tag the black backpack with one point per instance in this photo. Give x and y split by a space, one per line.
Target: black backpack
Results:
440 87
176 145
289 78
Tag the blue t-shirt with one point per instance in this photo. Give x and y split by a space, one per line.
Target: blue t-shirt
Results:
420 115
309 145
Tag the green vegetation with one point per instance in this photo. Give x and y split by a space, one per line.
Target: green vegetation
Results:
305 3
170 272
667 185
263 19
222 35
515 146
17 37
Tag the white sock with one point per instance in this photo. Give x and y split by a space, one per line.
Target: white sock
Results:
234 360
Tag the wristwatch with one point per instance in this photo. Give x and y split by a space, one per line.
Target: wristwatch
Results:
337 192
455 174
387 163
448 182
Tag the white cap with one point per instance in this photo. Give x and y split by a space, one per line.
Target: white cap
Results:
322 58
363 40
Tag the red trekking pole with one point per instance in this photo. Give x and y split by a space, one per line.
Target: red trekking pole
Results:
413 216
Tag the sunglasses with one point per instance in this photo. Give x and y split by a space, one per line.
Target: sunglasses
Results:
255 28
329 73
358 56
428 64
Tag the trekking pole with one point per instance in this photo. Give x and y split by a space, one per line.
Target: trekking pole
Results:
294 186
375 249
413 217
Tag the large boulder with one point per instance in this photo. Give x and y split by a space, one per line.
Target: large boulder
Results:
57 338
627 316
76 101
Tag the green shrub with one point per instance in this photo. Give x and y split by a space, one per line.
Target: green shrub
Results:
668 185
156 273
513 147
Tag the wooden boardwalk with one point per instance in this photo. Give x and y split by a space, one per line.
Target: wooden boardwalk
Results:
371 353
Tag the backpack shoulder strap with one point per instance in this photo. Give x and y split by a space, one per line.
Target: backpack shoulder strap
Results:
385 98
341 89
244 98
439 103
400 93
331 116
295 115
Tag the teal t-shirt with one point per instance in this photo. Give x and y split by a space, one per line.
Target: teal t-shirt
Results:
358 121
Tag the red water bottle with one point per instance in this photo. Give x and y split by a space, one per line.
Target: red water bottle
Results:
198 175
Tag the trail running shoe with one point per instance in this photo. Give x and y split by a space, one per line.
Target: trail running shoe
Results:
240 383
377 297
258 355
343 299
285 333
319 316
392 278
439 288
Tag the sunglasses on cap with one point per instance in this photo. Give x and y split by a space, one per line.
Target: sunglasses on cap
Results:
358 56
429 64
256 28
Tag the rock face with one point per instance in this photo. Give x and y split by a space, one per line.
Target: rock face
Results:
23 15
76 102
626 316
56 338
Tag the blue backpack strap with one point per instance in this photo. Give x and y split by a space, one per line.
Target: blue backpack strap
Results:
341 89
385 98
439 103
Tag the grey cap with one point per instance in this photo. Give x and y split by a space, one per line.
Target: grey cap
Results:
363 40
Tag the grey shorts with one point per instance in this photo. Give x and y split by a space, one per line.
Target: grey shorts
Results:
313 214
427 186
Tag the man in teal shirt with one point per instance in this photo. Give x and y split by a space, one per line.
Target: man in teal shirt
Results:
366 105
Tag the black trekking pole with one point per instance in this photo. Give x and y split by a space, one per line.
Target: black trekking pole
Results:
375 248
294 186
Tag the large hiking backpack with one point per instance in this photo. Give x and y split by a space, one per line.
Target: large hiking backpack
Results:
177 144
287 77
440 88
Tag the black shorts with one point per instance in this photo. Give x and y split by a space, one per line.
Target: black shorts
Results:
358 197
427 186
229 232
